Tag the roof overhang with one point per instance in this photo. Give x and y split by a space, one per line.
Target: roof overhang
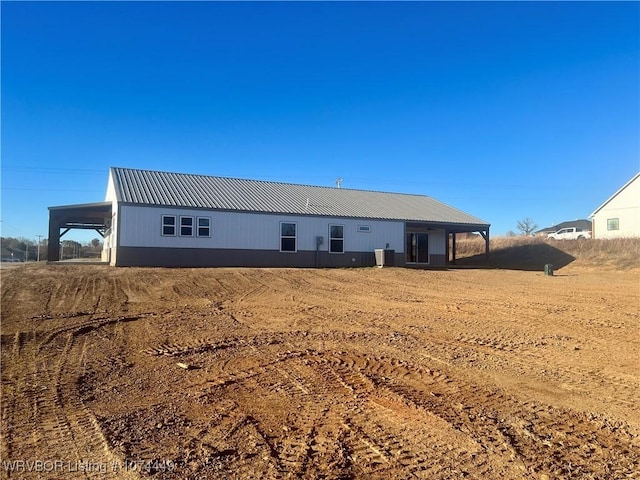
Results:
453 227
91 216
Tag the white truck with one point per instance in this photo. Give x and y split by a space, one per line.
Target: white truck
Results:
570 233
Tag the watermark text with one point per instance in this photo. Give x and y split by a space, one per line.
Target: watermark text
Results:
86 466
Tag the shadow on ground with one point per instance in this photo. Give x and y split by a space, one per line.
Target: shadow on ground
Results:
531 257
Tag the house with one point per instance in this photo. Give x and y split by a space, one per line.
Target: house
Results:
581 225
155 218
619 216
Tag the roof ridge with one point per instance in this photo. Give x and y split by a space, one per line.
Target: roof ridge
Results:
273 182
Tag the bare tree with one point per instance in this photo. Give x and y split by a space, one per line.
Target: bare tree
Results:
526 226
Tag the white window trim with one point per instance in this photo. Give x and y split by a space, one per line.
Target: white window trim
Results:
208 227
192 225
295 238
175 226
331 225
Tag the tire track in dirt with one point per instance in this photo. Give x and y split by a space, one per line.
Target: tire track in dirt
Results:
371 443
348 372
299 378
65 427
362 374
571 375
44 417
365 392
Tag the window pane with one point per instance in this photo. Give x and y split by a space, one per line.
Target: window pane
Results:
336 246
288 229
613 224
186 221
336 231
168 225
204 226
288 244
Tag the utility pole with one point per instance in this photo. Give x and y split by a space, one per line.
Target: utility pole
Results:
39 237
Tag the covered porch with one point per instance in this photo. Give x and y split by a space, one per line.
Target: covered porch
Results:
430 244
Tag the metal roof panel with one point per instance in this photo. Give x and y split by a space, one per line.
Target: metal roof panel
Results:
223 193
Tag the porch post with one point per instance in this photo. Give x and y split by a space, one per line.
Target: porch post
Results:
53 245
453 247
446 246
485 235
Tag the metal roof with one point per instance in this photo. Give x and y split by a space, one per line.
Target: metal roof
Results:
201 191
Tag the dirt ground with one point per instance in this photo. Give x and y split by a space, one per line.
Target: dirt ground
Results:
300 373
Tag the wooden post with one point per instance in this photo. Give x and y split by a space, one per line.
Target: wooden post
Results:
453 247
486 247
485 235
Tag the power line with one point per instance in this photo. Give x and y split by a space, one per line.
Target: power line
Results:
35 168
49 189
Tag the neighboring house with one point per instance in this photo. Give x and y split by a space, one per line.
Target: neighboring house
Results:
619 216
170 219
584 225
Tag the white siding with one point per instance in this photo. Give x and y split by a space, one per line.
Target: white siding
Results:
142 227
111 190
109 245
624 206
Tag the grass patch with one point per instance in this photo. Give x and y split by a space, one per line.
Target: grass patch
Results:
531 253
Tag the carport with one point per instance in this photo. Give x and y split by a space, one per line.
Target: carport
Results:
84 216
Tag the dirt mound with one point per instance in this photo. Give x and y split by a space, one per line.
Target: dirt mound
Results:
294 373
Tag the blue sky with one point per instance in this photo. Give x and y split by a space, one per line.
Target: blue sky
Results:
504 110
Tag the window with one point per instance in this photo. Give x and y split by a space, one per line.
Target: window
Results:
364 228
336 238
168 225
204 227
287 237
613 224
186 226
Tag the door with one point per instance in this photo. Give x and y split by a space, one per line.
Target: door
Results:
417 247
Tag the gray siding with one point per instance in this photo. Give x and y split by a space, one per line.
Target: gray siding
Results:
206 257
